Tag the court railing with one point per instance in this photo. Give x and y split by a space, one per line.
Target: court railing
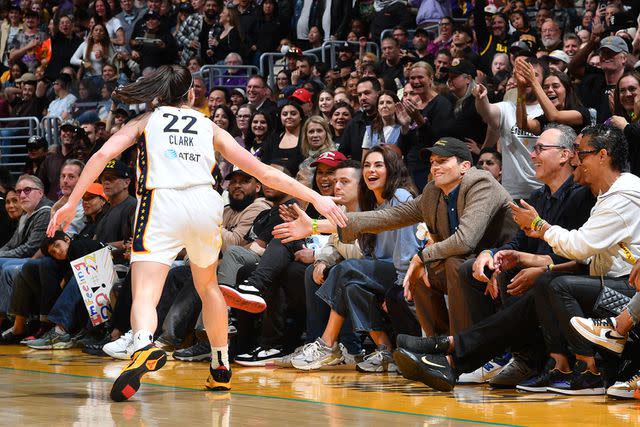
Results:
269 68
50 129
228 76
13 141
329 48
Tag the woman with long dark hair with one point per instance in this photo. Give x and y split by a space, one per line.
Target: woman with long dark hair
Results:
355 287
93 53
224 118
229 39
626 103
177 208
557 97
285 148
260 127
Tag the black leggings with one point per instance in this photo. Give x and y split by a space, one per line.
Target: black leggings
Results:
566 296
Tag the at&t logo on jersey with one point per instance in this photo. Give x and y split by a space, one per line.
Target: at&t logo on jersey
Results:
171 154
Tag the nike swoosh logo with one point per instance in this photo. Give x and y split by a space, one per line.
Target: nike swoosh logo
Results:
428 362
611 336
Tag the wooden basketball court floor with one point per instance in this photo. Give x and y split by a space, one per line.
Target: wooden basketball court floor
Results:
69 388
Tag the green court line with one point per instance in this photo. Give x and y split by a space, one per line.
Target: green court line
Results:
290 399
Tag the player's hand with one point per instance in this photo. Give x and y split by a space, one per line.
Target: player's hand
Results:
327 207
62 217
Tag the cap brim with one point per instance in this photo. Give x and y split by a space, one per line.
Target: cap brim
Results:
230 175
425 153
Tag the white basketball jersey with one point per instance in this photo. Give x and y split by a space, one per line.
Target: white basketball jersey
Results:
175 150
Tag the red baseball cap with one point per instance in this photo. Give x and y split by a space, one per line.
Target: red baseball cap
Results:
329 158
301 95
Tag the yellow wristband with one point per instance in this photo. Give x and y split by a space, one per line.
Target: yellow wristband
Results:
314 226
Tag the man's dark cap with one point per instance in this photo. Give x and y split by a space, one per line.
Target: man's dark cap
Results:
448 147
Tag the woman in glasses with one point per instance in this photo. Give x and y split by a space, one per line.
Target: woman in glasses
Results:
556 96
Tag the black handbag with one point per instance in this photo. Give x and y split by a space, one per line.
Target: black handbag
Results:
610 302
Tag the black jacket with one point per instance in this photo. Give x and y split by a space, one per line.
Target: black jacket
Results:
351 138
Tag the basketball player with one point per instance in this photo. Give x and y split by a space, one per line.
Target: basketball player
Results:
177 208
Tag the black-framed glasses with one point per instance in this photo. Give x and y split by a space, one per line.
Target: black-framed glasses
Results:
539 148
584 153
25 190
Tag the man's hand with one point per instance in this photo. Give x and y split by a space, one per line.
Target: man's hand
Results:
506 260
524 280
483 261
318 273
416 273
305 256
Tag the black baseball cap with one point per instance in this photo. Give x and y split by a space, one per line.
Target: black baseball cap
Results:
462 67
152 15
234 172
448 147
117 168
36 142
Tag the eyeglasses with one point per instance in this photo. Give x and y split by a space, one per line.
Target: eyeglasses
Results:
584 153
243 116
539 148
25 190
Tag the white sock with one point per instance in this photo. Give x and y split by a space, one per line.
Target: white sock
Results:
220 357
59 330
142 339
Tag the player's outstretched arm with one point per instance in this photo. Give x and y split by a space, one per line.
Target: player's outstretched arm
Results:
233 152
115 145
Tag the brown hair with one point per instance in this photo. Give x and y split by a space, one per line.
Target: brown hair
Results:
168 85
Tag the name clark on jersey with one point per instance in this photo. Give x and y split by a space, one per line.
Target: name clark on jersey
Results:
181 140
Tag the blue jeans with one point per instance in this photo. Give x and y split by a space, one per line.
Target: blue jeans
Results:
9 269
318 316
68 310
355 289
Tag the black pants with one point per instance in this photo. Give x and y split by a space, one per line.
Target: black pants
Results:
562 297
184 308
515 327
403 318
277 256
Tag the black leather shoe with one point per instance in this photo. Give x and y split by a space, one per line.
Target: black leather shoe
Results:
9 338
431 369
430 345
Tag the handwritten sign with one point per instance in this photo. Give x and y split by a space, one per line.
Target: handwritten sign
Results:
96 275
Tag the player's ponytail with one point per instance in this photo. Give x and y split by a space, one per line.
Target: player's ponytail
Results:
168 85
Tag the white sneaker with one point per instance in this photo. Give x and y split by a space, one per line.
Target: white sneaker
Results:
601 332
626 389
317 354
483 374
351 359
122 348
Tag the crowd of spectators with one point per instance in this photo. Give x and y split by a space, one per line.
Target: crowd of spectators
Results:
489 155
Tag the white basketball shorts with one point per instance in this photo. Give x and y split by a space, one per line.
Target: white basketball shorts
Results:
168 220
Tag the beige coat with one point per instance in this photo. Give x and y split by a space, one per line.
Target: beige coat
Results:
485 219
236 225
